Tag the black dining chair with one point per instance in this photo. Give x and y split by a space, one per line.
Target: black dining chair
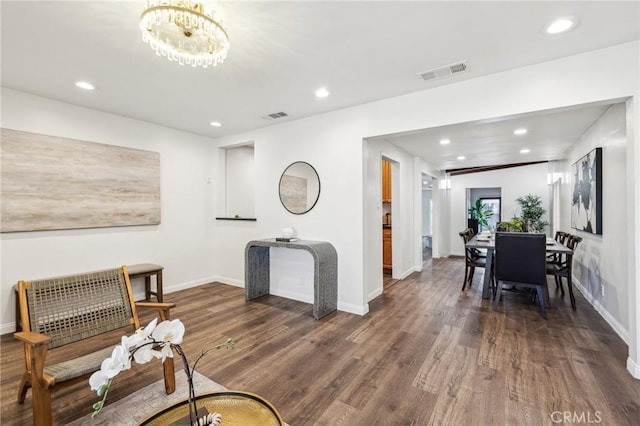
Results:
560 237
559 267
520 262
473 258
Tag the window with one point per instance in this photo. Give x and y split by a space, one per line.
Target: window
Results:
493 204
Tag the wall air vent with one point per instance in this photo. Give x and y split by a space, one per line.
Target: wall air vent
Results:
446 71
275 116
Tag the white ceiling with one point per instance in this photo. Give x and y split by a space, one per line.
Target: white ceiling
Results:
282 51
549 136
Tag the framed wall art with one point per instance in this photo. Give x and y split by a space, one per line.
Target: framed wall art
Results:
586 199
50 182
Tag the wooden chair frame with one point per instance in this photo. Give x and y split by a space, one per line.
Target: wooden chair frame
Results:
37 345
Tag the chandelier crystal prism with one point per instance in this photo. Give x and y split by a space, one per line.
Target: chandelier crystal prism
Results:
183 32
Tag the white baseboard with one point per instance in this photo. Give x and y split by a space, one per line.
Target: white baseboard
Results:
633 368
353 309
231 281
8 328
617 327
291 295
188 284
375 293
406 273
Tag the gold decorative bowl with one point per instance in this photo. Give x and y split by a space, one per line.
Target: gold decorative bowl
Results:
236 407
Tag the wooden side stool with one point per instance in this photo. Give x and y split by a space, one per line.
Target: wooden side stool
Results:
146 270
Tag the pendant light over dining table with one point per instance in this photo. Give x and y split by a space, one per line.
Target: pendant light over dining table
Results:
182 31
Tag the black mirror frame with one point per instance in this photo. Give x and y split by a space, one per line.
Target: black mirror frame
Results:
280 184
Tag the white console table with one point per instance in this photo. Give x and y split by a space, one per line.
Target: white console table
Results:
325 271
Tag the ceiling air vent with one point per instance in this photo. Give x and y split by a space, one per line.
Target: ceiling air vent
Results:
275 115
441 72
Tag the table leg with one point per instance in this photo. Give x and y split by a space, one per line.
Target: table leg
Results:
159 292
147 288
257 272
570 280
486 286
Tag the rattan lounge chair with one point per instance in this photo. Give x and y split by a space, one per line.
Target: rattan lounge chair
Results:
63 310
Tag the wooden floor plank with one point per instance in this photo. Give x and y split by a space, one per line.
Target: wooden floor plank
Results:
426 353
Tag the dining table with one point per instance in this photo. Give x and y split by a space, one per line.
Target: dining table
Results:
487 242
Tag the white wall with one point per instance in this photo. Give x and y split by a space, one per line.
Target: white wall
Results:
600 261
333 146
182 243
514 182
333 143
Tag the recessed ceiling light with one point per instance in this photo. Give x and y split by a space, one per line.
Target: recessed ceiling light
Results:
461 157
216 124
85 85
560 26
519 131
525 151
444 141
322 92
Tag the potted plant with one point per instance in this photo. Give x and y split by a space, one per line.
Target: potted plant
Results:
531 213
479 214
514 225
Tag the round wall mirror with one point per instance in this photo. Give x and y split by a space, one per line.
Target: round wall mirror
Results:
299 187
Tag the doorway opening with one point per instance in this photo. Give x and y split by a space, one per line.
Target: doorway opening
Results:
387 200
489 202
427 218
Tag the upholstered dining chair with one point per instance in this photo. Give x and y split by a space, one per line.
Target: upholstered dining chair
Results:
520 260
473 258
560 267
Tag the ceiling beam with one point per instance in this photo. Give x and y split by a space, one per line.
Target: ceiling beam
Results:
467 170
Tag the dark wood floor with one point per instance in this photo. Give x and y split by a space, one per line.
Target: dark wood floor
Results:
425 354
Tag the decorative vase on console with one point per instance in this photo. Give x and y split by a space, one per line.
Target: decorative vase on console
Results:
289 233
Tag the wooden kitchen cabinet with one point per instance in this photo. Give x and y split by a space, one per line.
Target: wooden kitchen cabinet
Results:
386 181
386 249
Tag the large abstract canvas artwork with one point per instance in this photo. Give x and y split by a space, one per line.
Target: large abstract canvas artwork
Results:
586 207
49 182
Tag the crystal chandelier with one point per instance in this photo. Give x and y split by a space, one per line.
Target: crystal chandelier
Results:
183 32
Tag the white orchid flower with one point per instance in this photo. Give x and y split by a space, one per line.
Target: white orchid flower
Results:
153 341
97 380
170 332
144 354
118 361
165 352
140 336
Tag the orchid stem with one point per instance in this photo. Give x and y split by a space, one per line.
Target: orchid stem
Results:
193 407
